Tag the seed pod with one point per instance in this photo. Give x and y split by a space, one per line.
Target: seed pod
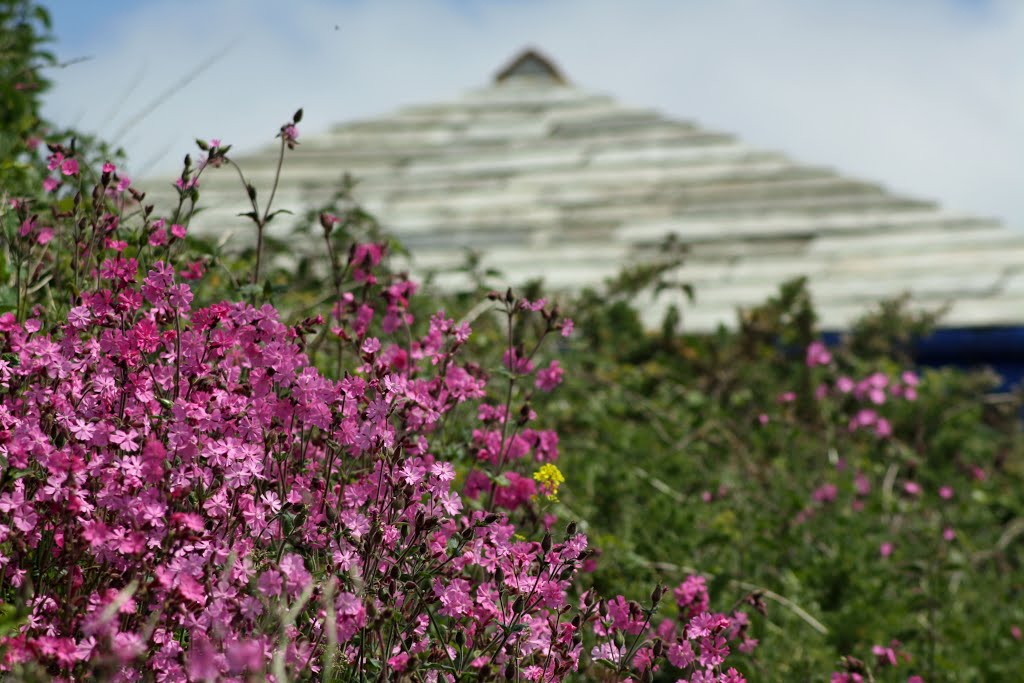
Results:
545 545
571 529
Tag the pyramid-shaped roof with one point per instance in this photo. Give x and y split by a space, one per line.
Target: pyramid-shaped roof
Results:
551 180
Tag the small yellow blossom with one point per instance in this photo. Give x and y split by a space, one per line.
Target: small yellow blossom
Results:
550 478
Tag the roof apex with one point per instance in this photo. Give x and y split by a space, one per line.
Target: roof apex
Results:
531 63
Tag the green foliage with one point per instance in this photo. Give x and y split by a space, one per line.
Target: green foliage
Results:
672 470
24 35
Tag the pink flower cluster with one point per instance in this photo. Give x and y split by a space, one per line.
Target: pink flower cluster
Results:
862 398
185 497
696 643
176 477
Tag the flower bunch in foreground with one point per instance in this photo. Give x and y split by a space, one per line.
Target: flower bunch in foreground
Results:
184 496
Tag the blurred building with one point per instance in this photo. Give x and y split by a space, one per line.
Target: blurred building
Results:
549 179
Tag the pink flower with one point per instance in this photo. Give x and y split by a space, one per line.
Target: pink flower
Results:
69 167
193 271
270 583
157 238
945 492
680 654
826 493
818 354
125 440
912 488
713 651
885 550
178 231
567 327
512 360
50 184
862 484
948 534
528 305
884 655
550 377
399 662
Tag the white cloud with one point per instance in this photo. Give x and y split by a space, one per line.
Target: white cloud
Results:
925 96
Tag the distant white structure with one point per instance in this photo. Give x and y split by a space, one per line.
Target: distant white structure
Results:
551 180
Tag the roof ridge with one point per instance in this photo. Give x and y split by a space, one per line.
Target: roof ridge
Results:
531 63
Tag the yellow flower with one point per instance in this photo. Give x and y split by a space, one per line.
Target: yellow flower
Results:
550 478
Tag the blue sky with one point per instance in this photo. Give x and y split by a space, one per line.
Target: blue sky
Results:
926 96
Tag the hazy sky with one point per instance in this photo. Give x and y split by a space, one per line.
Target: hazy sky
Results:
924 95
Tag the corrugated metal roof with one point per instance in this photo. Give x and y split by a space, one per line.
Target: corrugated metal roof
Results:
551 180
